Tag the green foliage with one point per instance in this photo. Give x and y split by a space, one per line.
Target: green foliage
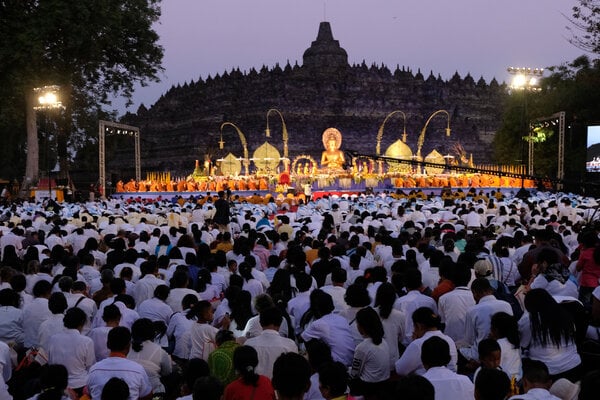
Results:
92 49
573 87
585 26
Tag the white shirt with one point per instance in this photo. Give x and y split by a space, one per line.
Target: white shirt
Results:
370 362
99 336
393 328
156 363
11 328
176 295
535 394
510 359
269 345
75 351
155 310
297 306
202 340
449 385
180 328
557 359
453 307
337 294
479 320
335 331
410 361
54 324
144 288
34 314
117 367
408 304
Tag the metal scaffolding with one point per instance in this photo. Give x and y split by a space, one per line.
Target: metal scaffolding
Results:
112 128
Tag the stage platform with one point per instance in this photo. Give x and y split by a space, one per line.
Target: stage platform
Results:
316 194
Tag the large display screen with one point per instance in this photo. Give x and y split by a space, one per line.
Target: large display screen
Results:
592 161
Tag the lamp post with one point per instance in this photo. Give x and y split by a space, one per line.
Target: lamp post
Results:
422 135
380 134
526 80
47 99
246 160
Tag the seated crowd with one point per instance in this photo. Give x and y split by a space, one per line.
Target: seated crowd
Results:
371 296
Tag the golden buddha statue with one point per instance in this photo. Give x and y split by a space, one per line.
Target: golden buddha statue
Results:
332 157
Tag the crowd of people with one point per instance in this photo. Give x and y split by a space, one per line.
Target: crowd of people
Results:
462 295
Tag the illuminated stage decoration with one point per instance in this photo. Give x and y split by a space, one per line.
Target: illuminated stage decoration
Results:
332 158
436 158
266 158
231 165
303 165
401 151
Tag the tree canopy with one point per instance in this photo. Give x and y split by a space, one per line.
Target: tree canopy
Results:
92 49
585 26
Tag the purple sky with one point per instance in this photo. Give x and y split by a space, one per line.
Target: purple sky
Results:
203 37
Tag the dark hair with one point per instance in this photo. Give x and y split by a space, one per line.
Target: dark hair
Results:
54 379
357 295
42 288
506 326
161 292
435 352
550 323
486 347
241 308
119 339
57 303
461 275
195 369
303 281
318 352
111 313
291 375
414 387
245 360
535 371
74 318
141 330
321 303
9 297
426 317
189 301
481 285
385 299
492 384
117 286
207 388
270 316
115 389
334 377
413 278
370 323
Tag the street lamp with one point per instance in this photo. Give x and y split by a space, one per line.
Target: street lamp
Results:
48 98
421 139
526 80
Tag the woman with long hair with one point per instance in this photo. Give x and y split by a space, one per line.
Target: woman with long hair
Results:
241 312
391 319
588 265
505 330
163 247
370 368
548 331
251 284
249 384
155 361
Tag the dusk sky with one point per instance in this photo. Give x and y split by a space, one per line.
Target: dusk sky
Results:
479 37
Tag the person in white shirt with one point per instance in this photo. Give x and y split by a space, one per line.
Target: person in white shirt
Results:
298 305
111 317
57 304
151 356
72 349
117 365
88 269
180 326
536 382
11 328
179 289
453 306
336 290
393 320
331 328
426 325
479 316
548 331
370 366
413 300
156 308
435 356
202 334
36 312
505 330
270 344
144 287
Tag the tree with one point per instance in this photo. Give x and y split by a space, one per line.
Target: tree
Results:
585 28
92 49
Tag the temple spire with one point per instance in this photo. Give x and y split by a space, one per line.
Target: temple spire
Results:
325 52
